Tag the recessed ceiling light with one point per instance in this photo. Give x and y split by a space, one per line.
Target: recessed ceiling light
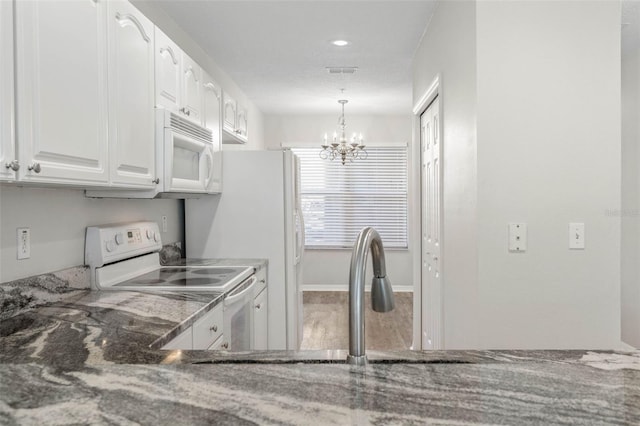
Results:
340 43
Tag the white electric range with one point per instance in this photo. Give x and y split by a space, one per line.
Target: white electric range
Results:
125 257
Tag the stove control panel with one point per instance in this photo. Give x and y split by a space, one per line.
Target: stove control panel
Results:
106 244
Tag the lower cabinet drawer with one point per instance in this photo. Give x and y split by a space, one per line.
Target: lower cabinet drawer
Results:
208 328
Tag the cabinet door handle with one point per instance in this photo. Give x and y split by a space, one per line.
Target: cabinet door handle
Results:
14 165
156 181
258 306
213 328
263 281
35 167
225 345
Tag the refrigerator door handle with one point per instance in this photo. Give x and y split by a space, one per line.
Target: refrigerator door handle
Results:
299 236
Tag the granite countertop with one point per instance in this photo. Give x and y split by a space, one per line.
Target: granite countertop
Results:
75 356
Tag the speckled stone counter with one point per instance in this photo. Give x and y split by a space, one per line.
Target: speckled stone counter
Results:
80 357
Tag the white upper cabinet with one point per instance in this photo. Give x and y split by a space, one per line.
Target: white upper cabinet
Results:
212 96
61 91
229 114
168 72
234 121
8 160
191 89
242 122
131 96
178 80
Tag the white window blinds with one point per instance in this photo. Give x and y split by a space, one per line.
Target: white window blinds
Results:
338 201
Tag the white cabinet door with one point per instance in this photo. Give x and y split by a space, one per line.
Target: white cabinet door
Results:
212 95
8 160
242 123
260 320
191 89
131 96
208 328
168 72
229 114
61 92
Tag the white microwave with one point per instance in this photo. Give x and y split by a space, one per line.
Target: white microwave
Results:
186 156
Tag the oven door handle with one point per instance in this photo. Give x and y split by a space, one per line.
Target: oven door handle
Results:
233 297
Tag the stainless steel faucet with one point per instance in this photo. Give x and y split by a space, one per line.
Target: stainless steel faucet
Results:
381 292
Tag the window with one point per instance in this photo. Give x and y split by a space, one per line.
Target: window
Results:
338 201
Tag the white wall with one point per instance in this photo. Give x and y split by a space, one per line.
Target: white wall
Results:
330 268
448 48
630 212
186 43
548 154
58 218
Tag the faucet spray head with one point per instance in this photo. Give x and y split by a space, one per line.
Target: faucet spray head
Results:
382 295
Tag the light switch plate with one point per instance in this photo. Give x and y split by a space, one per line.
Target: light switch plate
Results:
23 242
576 236
517 237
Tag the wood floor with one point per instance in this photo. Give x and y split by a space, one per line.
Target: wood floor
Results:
326 322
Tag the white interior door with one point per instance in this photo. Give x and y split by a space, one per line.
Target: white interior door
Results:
431 228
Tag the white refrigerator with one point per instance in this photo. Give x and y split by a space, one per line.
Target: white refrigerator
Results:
257 215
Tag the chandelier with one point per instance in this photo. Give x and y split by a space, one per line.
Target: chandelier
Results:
340 147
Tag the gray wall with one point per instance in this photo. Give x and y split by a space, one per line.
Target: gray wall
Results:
58 218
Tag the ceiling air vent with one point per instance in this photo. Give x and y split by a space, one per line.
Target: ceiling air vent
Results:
342 70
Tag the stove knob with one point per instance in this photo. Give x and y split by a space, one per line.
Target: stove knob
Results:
119 238
149 234
110 246
156 237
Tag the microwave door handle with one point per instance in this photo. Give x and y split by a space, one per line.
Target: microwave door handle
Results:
234 297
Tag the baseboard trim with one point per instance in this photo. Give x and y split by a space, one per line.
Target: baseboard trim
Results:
338 287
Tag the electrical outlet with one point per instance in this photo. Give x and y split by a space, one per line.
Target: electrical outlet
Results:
164 224
23 240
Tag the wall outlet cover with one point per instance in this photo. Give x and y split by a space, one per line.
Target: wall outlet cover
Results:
517 237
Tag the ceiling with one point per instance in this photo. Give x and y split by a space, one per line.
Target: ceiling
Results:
277 51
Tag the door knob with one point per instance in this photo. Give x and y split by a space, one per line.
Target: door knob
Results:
35 167
14 165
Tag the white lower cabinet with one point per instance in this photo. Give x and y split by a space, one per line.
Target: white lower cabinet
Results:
184 340
61 92
208 328
219 344
205 333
